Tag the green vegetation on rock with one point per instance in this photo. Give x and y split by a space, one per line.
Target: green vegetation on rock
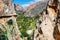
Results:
26 23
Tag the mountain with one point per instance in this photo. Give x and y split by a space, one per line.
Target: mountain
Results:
18 7
36 9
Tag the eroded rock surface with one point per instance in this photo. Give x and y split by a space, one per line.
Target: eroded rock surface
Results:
49 21
8 19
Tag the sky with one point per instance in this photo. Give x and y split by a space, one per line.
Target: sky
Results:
25 3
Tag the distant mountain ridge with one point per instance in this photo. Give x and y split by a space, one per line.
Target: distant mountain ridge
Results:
18 7
35 9
32 10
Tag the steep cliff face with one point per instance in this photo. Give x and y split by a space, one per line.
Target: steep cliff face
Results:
7 8
18 7
48 24
8 19
36 9
1 5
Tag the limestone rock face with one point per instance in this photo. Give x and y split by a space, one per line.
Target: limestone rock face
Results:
7 15
18 7
1 5
36 9
7 8
49 21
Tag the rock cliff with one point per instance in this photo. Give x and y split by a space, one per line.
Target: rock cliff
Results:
36 9
8 20
18 7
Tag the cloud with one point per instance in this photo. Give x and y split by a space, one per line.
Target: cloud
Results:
37 0
29 3
25 5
